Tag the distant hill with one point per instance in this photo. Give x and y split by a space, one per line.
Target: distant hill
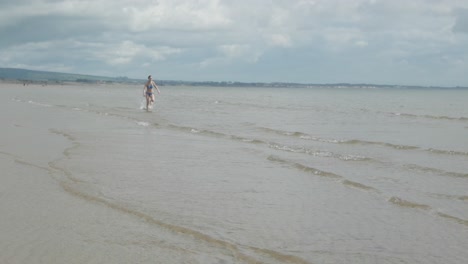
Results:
45 76
24 75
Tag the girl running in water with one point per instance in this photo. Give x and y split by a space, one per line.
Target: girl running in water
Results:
148 91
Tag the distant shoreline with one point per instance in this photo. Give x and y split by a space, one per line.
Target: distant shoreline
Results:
220 84
11 75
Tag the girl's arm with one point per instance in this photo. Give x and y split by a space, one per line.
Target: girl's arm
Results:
157 88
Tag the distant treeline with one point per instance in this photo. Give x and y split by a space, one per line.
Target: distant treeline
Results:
54 77
44 77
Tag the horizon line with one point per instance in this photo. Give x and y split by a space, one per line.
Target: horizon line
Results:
237 82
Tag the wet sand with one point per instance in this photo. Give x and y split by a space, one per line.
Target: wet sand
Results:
88 177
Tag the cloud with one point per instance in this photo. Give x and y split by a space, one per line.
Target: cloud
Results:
128 51
461 22
280 40
202 15
228 54
257 40
361 43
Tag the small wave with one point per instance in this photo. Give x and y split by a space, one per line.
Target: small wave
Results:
280 256
215 134
61 133
404 203
454 218
319 153
305 168
305 136
354 158
436 171
384 144
199 131
237 250
448 196
39 104
448 152
300 135
212 133
22 162
320 173
357 185
287 148
144 124
248 140
462 118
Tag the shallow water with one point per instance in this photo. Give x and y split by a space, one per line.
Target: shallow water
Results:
234 175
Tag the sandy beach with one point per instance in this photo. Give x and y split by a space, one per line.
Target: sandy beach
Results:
229 176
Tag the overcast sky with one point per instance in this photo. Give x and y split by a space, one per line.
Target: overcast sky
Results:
413 42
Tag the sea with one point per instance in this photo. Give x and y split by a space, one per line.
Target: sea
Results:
233 174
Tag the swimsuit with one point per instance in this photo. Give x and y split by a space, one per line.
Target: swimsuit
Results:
148 90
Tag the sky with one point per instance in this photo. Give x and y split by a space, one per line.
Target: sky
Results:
397 42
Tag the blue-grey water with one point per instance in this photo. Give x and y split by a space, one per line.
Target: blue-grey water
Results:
233 175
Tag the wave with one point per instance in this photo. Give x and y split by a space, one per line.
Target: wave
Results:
296 134
248 140
144 124
235 249
306 136
272 145
244 105
31 102
448 196
436 171
75 186
404 203
8 154
304 168
383 144
320 173
454 218
407 204
300 135
198 131
72 187
358 185
434 117
448 152
319 153
84 190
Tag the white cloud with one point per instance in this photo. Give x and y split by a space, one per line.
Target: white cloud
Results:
361 43
279 40
128 51
219 35
173 15
227 54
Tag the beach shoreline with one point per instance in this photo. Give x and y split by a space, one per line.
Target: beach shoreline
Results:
231 176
